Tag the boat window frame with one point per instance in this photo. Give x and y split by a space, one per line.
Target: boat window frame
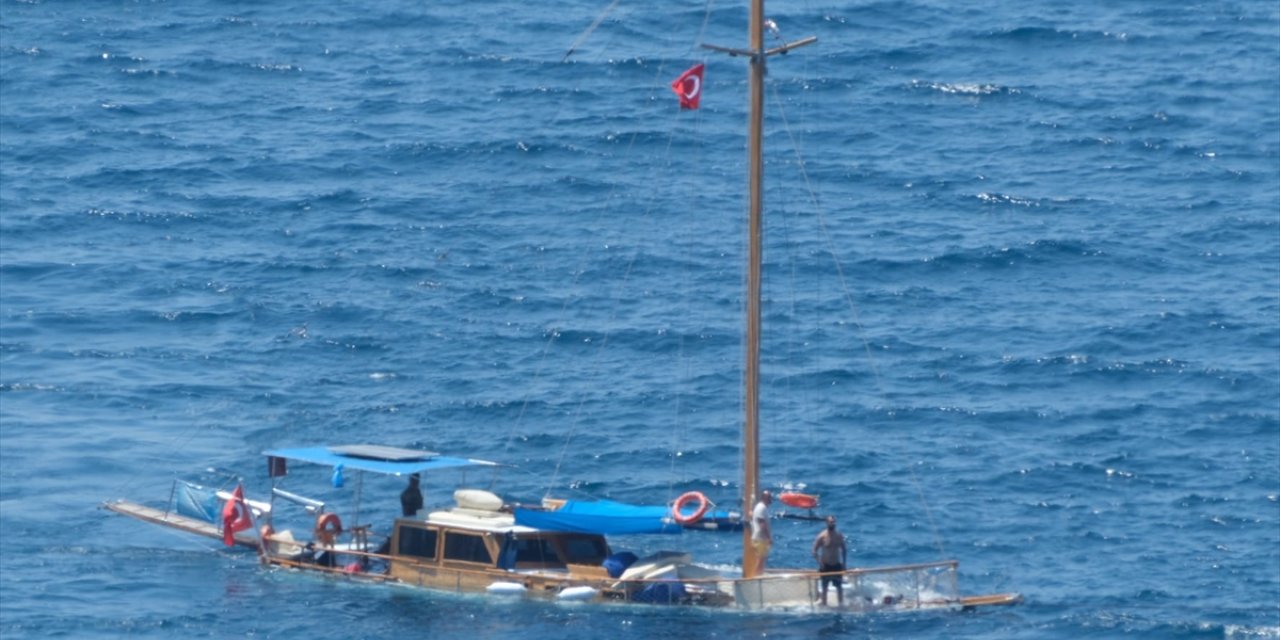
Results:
485 542
415 526
548 543
564 543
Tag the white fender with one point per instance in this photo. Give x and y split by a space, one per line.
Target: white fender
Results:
576 594
506 589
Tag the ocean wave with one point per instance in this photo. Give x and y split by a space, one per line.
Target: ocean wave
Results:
966 88
1054 35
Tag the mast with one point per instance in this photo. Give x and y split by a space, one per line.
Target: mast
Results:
755 187
757 54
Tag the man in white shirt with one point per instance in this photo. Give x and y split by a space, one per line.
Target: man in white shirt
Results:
761 533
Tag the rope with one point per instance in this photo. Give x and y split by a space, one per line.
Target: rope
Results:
647 209
853 307
591 29
176 444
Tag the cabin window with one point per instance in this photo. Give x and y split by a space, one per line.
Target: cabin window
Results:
466 547
420 543
536 551
585 550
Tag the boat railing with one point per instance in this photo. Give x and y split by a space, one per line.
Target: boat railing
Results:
283 548
908 586
310 505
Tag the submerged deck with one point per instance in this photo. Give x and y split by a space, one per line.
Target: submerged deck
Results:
180 522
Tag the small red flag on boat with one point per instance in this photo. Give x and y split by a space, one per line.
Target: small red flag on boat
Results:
235 517
689 87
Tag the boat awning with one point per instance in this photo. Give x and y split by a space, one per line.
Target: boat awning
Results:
377 459
603 517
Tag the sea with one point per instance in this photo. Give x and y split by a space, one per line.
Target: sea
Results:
1021 300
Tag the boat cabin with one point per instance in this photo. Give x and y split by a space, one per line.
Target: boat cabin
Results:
470 543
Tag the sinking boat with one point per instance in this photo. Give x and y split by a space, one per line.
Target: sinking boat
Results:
484 545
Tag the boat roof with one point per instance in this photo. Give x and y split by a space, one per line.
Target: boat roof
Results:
395 461
490 523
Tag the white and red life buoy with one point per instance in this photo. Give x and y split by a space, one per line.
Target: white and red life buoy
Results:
328 527
677 513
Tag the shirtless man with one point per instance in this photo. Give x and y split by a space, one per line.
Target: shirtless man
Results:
830 551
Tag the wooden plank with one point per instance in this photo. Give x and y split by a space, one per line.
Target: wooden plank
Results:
178 521
588 571
993 600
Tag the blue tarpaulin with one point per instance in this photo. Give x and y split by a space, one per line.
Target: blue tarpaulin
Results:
603 516
666 592
608 517
195 501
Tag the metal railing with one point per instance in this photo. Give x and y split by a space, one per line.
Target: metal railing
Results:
911 586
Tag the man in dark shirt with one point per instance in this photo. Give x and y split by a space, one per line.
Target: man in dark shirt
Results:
411 498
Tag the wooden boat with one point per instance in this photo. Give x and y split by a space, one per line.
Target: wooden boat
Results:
482 545
479 545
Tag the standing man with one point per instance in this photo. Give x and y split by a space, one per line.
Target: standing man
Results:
411 498
830 551
761 533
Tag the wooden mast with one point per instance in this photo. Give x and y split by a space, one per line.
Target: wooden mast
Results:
755 176
757 54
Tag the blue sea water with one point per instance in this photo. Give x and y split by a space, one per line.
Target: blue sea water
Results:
1022 297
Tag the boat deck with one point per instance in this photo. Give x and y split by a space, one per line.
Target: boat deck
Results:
180 522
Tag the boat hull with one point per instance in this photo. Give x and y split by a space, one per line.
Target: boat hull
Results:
893 588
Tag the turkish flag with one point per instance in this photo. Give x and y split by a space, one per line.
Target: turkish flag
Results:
689 87
235 517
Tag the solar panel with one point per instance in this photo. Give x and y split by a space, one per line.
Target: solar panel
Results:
382 452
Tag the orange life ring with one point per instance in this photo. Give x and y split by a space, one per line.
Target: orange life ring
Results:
798 500
328 527
703 505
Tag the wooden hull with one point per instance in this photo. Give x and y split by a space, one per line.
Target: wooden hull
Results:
779 589
993 600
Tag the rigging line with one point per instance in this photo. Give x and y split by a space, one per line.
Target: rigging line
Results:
587 34
853 308
678 434
613 315
790 342
648 209
553 332
176 444
702 30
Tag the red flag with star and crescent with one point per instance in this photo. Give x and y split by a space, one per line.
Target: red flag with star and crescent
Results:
689 87
235 517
